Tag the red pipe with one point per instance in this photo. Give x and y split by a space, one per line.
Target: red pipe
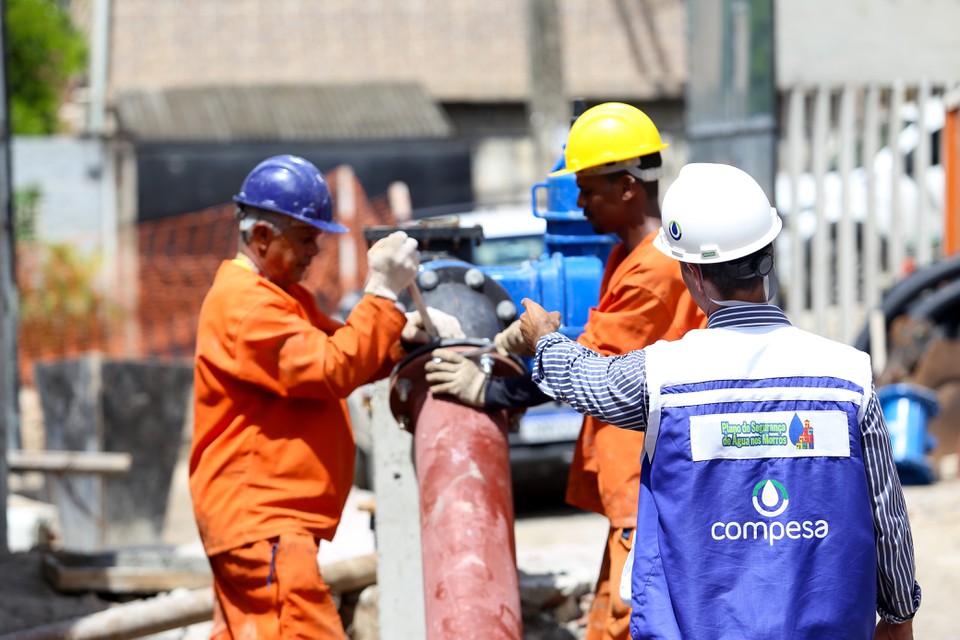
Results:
466 509
466 521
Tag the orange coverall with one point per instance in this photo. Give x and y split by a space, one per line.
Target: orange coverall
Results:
642 299
273 450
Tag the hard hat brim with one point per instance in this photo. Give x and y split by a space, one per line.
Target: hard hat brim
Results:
599 169
665 247
323 225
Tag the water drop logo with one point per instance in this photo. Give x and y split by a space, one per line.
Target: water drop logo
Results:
673 228
770 498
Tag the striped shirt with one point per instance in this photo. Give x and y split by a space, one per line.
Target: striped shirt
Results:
614 390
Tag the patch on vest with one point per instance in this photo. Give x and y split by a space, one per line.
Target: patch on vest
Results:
774 434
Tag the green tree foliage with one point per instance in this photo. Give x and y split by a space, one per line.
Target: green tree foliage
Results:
26 206
44 52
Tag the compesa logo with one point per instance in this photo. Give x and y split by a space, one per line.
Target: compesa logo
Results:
770 499
673 228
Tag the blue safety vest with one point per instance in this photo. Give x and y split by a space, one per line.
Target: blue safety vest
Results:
754 516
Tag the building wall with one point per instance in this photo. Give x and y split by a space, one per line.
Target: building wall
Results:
69 174
468 50
830 42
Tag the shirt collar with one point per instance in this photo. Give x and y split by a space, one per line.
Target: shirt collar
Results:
750 315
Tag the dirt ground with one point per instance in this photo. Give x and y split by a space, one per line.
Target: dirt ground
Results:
26 600
564 541
935 519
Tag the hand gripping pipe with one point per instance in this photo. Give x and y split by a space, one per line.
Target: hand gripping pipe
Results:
466 504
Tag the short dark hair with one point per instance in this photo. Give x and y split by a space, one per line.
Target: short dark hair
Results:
650 161
743 273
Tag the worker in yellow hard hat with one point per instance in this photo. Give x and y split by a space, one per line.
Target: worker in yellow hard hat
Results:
614 150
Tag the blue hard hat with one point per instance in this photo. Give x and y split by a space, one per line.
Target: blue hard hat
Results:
292 186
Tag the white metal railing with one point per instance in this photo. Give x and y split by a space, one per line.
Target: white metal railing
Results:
861 200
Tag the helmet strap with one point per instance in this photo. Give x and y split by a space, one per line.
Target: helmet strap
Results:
650 174
645 175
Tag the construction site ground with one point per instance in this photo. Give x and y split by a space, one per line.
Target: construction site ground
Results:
550 538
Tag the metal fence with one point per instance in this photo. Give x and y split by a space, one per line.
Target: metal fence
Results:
861 192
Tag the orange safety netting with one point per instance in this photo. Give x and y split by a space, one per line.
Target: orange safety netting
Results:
170 263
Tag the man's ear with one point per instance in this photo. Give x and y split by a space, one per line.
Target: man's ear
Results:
693 274
261 233
630 187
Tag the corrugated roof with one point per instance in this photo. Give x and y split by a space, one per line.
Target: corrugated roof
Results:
373 111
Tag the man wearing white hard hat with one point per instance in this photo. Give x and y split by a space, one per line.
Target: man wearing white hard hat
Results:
769 496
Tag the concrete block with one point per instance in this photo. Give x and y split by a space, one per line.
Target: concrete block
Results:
93 403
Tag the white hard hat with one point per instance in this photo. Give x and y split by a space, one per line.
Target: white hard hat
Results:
715 213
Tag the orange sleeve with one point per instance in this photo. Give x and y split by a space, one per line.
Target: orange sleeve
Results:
643 299
329 326
281 350
632 319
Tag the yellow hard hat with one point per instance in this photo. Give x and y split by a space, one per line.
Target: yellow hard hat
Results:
606 135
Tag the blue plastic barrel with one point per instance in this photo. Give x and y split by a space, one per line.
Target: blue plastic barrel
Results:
907 408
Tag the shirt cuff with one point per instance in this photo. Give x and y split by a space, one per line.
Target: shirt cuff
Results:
544 342
396 303
895 619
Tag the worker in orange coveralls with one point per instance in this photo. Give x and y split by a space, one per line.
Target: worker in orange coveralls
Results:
273 451
614 149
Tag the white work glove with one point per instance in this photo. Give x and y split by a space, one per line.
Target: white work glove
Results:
393 263
510 341
450 373
446 325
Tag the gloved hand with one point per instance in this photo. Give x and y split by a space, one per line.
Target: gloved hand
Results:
393 263
446 325
510 341
452 374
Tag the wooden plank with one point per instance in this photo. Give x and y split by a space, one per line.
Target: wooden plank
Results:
155 570
820 251
124 572
921 164
872 282
896 245
95 462
796 117
846 248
